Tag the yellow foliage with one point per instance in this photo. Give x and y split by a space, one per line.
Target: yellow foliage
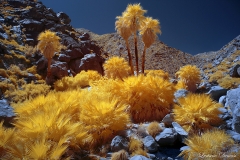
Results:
197 112
122 29
229 82
149 97
159 73
149 29
116 67
3 73
27 91
48 43
52 121
103 116
154 128
212 143
136 147
181 85
190 75
15 70
6 85
6 136
133 16
135 144
81 80
216 76
120 155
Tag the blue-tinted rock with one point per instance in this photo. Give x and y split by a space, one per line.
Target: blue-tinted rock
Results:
233 101
118 143
216 92
167 137
182 134
139 157
150 144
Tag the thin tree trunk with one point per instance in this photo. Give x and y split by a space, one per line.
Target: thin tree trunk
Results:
130 58
136 51
49 67
143 58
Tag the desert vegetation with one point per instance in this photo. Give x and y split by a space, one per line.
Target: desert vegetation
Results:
79 115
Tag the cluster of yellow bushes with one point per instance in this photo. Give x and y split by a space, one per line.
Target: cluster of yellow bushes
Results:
86 111
220 74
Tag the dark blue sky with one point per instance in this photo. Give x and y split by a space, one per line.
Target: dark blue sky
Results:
192 26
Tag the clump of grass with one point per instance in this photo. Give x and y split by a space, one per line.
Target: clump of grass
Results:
136 147
154 128
197 112
212 143
120 155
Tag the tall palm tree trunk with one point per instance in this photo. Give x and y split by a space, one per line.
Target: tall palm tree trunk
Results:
49 67
129 58
143 58
136 51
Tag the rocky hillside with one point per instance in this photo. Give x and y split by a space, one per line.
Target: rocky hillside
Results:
216 57
21 23
158 56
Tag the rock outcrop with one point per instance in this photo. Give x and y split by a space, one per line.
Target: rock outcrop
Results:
21 23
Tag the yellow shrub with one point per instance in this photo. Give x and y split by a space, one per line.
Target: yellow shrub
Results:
136 147
49 126
27 91
216 76
3 73
154 128
81 80
197 112
135 144
6 136
120 155
103 116
149 97
190 75
6 85
213 143
15 70
116 67
160 73
181 85
229 82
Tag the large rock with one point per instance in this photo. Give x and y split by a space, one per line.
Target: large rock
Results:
167 137
59 69
88 62
118 143
64 17
182 134
234 135
216 92
234 71
6 112
150 144
32 25
233 101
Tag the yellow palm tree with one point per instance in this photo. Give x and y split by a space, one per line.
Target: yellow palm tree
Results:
48 44
148 29
133 17
124 32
